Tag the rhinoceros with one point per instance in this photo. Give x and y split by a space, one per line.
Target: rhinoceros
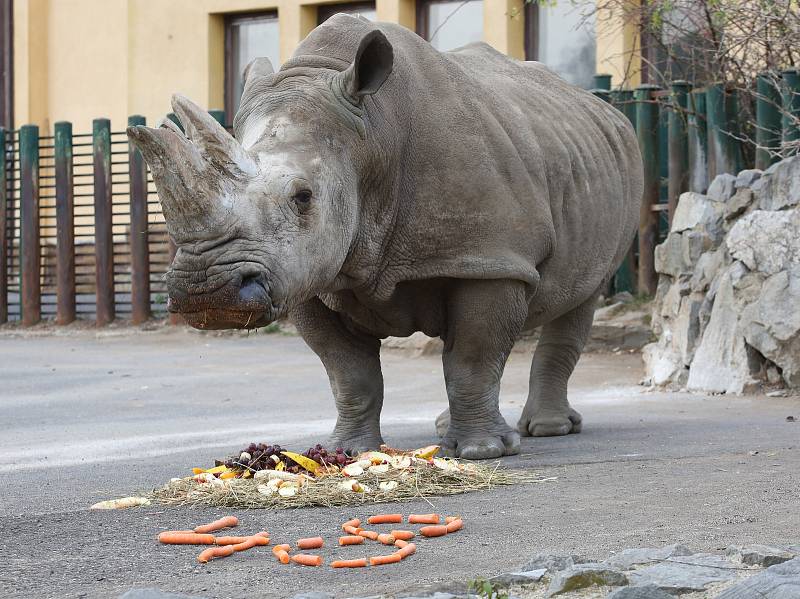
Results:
376 187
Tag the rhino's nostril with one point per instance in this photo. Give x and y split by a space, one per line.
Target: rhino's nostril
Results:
252 291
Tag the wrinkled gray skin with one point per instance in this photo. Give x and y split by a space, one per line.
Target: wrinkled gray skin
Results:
378 187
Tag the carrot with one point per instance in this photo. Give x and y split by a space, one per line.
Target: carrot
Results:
282 556
433 531
424 519
455 525
185 538
350 563
237 540
386 539
400 543
385 519
264 534
368 534
351 540
355 523
225 522
312 543
284 547
306 559
449 519
404 552
380 560
405 535
249 543
352 530
213 552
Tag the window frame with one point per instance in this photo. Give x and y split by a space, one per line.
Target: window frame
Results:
231 20
531 42
7 64
328 10
422 26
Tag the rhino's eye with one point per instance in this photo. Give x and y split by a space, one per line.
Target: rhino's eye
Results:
302 199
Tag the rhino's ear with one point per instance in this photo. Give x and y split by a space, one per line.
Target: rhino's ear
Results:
258 67
371 67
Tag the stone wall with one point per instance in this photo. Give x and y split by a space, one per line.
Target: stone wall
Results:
727 309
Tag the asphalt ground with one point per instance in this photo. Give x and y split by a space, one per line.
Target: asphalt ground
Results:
85 418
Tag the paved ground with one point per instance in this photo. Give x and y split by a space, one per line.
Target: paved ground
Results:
84 419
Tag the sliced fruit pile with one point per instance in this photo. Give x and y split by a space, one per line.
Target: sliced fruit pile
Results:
224 546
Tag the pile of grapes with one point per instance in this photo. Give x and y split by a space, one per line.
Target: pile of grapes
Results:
260 456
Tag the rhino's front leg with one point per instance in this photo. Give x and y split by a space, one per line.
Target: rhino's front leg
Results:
352 361
484 318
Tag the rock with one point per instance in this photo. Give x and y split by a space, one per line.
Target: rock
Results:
312 595
648 591
519 578
780 186
695 210
760 555
781 581
625 297
585 575
681 251
676 578
721 188
708 560
707 267
627 558
747 177
608 312
771 324
554 562
720 363
663 365
739 203
620 335
766 241
155 594
419 343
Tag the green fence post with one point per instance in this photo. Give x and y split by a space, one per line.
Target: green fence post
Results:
722 110
219 116
65 224
647 117
602 81
174 118
791 107
30 247
678 145
698 142
603 94
768 120
3 229
140 249
103 231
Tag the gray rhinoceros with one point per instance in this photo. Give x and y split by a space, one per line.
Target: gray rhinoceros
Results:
376 187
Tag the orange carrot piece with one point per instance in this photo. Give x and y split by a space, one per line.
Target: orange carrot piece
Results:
351 540
355 523
380 560
424 519
264 534
405 535
311 543
433 531
214 552
368 534
386 539
283 547
185 538
225 522
282 556
350 563
455 525
232 540
306 559
352 530
385 519
404 552
449 519
249 543
400 543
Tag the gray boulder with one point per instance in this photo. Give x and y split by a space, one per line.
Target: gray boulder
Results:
739 203
518 578
776 582
554 562
747 178
677 577
780 186
695 210
722 188
680 252
648 591
766 241
760 555
151 593
583 576
628 558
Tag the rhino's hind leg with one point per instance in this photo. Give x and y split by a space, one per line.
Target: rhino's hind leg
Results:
352 361
484 318
547 412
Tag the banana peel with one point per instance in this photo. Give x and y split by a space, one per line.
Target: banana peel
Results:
426 453
305 462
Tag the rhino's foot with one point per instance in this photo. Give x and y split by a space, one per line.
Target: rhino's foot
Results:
550 423
354 444
443 423
472 444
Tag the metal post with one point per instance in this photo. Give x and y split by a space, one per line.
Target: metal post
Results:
647 133
103 235
722 109
625 277
219 116
65 224
3 229
602 81
678 145
140 254
791 108
30 251
698 142
768 120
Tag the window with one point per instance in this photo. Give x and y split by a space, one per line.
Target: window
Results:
365 9
562 36
449 24
247 37
6 64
